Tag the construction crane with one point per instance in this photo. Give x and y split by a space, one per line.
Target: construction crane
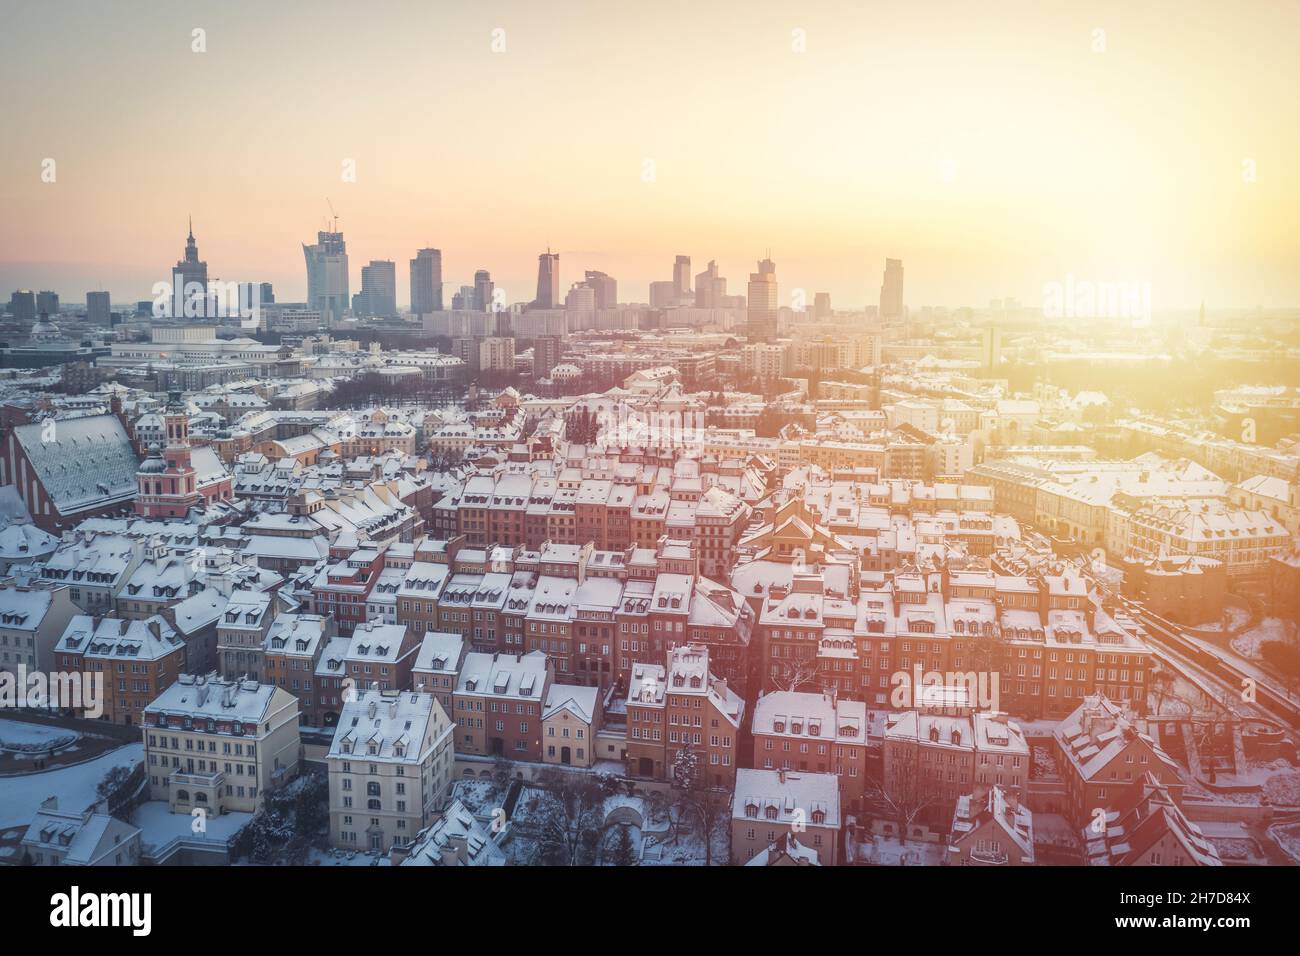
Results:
333 213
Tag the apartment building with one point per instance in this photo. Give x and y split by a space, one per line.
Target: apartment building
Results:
498 704
219 745
679 706
137 659
32 619
813 733
390 767
773 804
1103 754
992 830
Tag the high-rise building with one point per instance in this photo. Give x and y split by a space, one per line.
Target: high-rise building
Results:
822 305
762 303
663 294
483 291
47 302
606 289
548 280
682 276
546 354
580 298
710 288
98 309
426 281
327 276
23 306
891 291
496 354
268 293
378 295
463 301
190 279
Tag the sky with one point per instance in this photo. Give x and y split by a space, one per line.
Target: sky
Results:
994 147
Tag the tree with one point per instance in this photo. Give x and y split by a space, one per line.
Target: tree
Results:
623 853
907 791
1285 658
695 799
569 817
794 673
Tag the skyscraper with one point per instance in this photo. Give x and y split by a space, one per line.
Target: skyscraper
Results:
710 288
762 307
682 276
548 280
327 276
190 278
891 291
581 298
483 291
426 281
47 302
23 306
606 288
98 310
378 295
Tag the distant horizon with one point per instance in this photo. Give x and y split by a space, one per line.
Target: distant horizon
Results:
1154 144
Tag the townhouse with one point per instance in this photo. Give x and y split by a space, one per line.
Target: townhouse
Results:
770 805
138 660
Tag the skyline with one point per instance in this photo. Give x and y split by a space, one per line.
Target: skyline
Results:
885 138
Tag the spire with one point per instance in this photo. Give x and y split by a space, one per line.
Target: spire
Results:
191 235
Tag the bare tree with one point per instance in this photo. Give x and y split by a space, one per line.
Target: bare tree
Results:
792 674
569 817
907 790
708 807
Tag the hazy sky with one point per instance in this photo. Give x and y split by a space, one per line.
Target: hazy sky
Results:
988 145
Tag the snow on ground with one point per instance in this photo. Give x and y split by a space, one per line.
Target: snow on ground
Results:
159 825
336 857
1237 617
21 732
21 796
1288 838
1269 629
887 851
1052 829
1283 789
1044 763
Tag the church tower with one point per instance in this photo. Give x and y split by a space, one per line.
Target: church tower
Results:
166 481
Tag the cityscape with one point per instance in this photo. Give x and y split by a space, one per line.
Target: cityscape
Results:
349 546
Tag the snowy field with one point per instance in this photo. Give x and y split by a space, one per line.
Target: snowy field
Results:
21 797
21 732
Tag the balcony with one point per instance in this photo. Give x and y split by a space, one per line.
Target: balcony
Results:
206 781
988 858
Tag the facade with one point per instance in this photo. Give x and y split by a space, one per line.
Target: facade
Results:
771 804
390 768
499 702
1103 756
138 661
32 619
218 745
